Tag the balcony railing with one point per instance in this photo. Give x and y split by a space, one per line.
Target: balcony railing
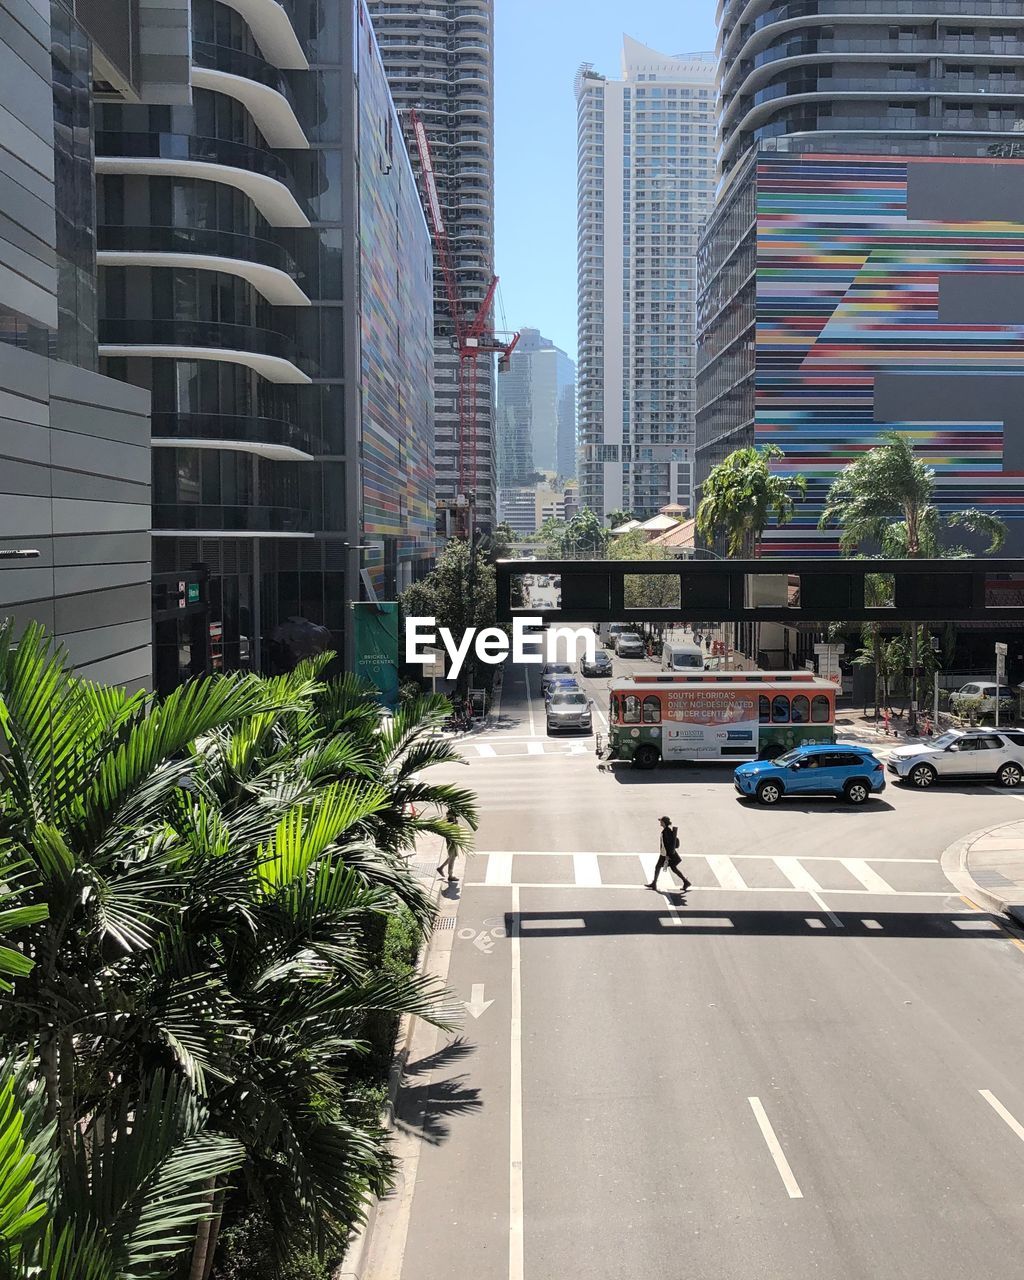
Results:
230 519
197 333
243 428
209 241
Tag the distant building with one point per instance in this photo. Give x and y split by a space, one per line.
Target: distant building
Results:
646 175
536 412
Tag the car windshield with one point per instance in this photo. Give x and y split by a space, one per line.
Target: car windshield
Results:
569 700
787 757
560 670
944 739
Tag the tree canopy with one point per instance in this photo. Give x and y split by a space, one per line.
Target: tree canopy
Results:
742 493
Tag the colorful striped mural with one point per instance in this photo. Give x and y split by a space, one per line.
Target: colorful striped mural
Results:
848 296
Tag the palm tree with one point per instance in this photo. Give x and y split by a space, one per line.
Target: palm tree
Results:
742 494
195 886
886 498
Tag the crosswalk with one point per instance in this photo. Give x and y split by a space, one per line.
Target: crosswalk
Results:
737 873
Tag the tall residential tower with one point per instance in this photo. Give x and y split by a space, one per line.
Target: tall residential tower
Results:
439 56
645 183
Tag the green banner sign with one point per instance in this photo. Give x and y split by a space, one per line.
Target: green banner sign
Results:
376 648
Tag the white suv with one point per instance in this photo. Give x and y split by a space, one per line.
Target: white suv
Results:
965 755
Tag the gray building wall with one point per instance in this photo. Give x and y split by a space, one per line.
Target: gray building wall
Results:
74 446
75 485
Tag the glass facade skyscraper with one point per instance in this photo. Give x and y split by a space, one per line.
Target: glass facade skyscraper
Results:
265 275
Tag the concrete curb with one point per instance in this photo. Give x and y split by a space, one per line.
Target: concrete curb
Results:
955 867
356 1254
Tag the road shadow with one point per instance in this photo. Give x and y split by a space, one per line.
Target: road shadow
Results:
684 922
424 1109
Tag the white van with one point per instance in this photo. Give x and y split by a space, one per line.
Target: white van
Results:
682 655
609 632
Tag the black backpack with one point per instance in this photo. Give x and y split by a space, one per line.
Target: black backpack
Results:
670 839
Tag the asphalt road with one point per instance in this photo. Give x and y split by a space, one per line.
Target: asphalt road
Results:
808 1069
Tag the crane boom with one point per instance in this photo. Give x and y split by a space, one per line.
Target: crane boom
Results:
471 339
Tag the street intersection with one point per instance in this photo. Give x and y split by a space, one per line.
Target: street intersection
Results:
810 1067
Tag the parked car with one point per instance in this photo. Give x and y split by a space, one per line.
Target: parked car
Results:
569 709
552 670
629 645
967 697
561 684
817 769
600 666
961 754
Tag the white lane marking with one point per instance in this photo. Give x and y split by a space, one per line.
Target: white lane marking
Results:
797 874
535 748
975 924
705 889
870 879
586 869
499 869
800 878
648 861
814 924
697 922
725 872
871 924
1002 1112
775 1149
554 922
580 748
515 1137
484 750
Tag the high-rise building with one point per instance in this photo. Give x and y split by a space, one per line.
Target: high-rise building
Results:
536 412
439 56
645 183
834 130
75 444
266 275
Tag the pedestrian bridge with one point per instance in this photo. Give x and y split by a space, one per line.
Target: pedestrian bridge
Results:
793 591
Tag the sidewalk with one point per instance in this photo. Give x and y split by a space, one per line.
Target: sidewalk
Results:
988 868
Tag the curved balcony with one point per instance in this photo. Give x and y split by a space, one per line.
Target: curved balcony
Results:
244 433
268 353
261 89
264 264
232 521
264 177
271 25
241 428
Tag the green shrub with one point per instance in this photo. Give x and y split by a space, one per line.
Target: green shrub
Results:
246 1252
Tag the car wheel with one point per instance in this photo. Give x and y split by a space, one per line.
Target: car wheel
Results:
856 791
646 756
1010 775
769 792
922 775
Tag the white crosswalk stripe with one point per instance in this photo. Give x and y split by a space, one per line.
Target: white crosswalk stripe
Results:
714 873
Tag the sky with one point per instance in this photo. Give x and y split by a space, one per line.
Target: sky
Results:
539 44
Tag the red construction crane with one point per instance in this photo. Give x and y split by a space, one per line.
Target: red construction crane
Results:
472 339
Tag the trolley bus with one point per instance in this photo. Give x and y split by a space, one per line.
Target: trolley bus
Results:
712 715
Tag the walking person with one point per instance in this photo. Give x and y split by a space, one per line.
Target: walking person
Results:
447 867
668 854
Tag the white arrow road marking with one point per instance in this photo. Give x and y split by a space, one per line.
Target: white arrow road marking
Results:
476 1004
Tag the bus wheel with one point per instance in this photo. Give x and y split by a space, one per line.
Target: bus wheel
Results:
645 757
770 751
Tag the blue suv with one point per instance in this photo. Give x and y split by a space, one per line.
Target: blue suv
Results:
818 769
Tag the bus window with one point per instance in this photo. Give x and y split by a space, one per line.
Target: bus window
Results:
652 710
801 709
631 709
820 709
613 709
780 709
764 709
